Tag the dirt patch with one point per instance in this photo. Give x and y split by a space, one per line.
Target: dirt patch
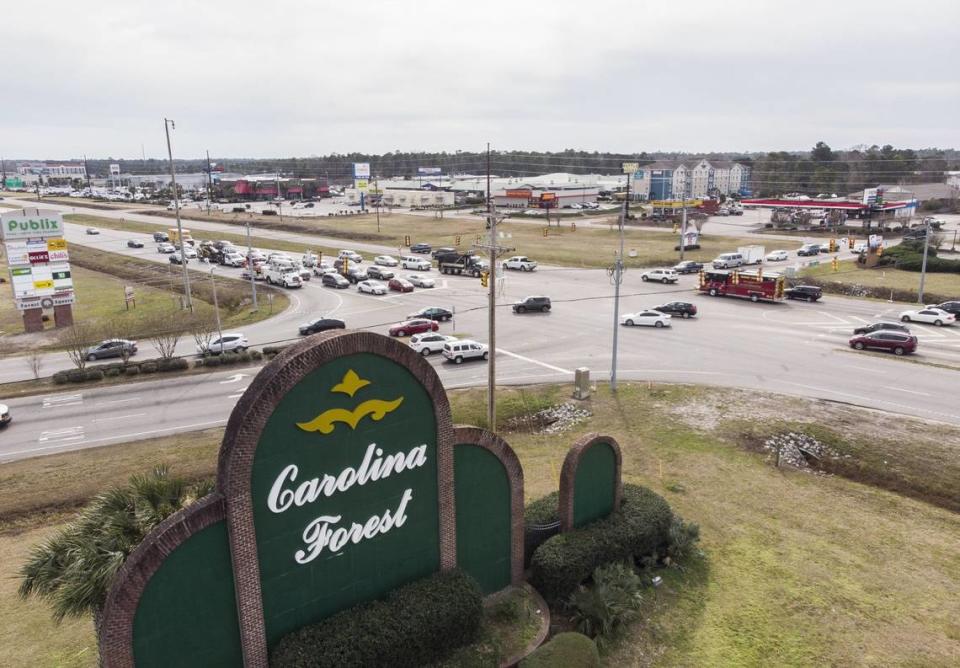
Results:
552 420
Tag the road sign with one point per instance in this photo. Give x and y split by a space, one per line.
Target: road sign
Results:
630 167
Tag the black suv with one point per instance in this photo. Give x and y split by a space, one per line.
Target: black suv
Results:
950 307
810 293
334 281
682 309
161 237
357 274
420 248
541 304
877 326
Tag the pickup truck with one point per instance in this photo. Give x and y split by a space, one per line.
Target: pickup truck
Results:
520 263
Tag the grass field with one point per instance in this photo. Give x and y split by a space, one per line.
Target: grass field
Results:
946 285
799 569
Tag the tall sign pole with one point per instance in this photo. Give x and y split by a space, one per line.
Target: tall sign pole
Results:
628 169
209 183
492 309
167 124
923 268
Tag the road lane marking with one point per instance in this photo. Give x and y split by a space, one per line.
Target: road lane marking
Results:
67 434
118 417
900 389
238 394
234 378
533 361
830 315
117 401
62 400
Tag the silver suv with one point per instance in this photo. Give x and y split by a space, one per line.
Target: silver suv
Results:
458 351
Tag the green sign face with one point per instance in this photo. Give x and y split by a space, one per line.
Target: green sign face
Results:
344 491
23 225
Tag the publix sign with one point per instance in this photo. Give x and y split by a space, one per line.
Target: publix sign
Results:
23 225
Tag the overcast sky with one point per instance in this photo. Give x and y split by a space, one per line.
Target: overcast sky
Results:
264 79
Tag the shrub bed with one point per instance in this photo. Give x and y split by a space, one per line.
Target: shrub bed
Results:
416 624
565 650
639 528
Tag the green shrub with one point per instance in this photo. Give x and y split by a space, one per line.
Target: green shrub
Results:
682 539
76 375
61 377
601 610
149 367
180 364
414 625
640 527
229 358
272 351
132 370
256 355
243 356
565 650
211 361
544 510
112 372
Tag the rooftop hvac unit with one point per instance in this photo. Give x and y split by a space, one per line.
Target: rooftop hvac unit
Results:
581 383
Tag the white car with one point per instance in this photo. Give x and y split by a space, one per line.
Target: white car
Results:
351 255
429 343
662 275
233 260
777 256
386 261
324 267
415 263
231 342
464 349
646 318
166 248
421 281
372 287
190 253
933 316
520 263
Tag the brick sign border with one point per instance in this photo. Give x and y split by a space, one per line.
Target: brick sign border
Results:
568 475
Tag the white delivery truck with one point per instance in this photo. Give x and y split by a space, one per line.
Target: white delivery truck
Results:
283 274
752 254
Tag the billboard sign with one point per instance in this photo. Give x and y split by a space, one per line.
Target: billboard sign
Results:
361 184
361 170
30 224
630 167
114 169
429 171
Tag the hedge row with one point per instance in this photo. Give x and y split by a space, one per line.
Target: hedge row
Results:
639 528
97 373
565 650
226 359
414 625
545 510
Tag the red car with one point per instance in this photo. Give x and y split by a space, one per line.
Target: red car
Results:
886 339
400 285
416 326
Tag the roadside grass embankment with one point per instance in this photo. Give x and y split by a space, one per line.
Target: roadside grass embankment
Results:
800 568
883 283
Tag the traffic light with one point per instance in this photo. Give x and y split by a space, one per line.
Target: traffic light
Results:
833 245
485 278
573 226
458 240
406 240
880 250
345 267
836 264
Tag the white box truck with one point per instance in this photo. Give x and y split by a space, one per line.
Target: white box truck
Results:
752 254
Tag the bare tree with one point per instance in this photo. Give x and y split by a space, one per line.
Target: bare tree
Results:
203 328
76 339
164 335
34 361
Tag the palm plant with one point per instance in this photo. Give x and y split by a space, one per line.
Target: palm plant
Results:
72 570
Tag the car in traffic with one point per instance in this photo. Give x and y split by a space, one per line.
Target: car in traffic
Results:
646 318
356 274
807 250
533 303
429 343
161 237
414 326
682 309
809 293
398 284
415 263
880 326
92 230
190 253
386 261
420 248
334 281
111 348
727 261
371 288
5 417
318 325
661 275
380 273
437 313
778 256
950 307
688 267
520 263
232 259
351 255
133 243
462 350
932 316
176 258
230 342
898 343
322 268
420 281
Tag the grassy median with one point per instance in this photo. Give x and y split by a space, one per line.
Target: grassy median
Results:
800 568
880 280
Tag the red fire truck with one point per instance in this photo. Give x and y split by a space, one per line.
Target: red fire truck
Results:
754 284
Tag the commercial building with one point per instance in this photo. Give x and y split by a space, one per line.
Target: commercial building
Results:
60 170
526 196
672 179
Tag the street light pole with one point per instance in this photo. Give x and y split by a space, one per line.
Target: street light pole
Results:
923 267
617 280
167 125
251 268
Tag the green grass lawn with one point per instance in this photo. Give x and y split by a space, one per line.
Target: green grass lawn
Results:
799 569
851 274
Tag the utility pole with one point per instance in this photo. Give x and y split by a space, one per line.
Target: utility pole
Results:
209 183
251 268
683 225
279 199
87 170
216 306
376 187
617 274
923 267
167 124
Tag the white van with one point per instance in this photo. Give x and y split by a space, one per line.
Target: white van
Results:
728 261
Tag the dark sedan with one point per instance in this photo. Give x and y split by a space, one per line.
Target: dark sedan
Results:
432 313
877 326
318 325
420 248
334 281
688 267
111 348
682 309
133 243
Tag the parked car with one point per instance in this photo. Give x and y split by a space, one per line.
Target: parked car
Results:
420 248
896 342
415 326
230 342
688 267
808 249
5 417
92 230
380 273
427 344
415 263
465 349
161 237
432 313
880 326
662 275
421 281
810 293
111 348
371 288
541 304
727 261
682 309
398 284
520 263
778 256
648 318
386 261
133 243
950 307
351 255
318 325
933 316
334 281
